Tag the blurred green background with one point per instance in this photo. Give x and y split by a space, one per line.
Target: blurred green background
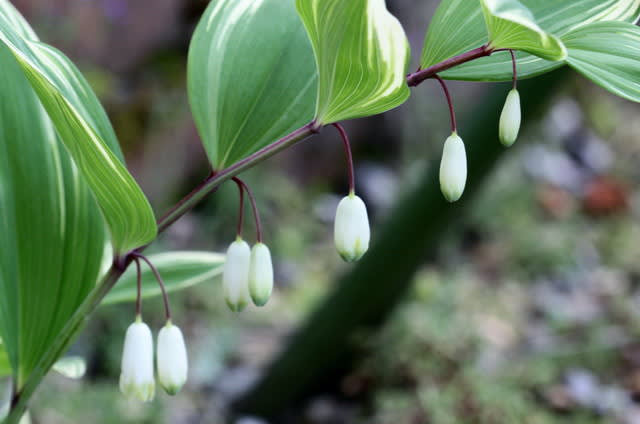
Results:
526 312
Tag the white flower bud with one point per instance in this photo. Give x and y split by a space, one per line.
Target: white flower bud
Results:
260 274
510 119
235 276
136 378
351 228
172 359
453 168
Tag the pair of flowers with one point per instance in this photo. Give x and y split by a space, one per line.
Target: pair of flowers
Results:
137 376
248 273
453 167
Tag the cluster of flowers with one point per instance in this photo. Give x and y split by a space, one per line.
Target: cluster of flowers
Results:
137 377
453 167
247 273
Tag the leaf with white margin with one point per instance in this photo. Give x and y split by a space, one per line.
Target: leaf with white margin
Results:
179 270
362 55
458 26
608 53
86 132
512 26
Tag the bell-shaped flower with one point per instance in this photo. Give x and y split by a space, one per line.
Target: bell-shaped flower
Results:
260 274
172 359
453 168
136 378
235 276
510 119
351 228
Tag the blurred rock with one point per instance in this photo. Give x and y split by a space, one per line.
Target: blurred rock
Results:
583 388
233 382
553 167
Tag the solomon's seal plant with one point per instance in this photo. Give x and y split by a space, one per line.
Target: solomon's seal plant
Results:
255 89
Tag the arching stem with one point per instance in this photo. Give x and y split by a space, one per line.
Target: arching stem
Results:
349 156
139 287
161 284
254 206
515 69
454 125
240 212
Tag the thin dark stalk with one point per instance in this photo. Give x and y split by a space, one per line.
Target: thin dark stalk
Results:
214 180
161 284
416 78
171 217
139 288
240 211
254 207
515 69
454 125
348 154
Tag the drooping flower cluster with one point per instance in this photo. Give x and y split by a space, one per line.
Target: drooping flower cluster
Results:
247 275
137 377
453 166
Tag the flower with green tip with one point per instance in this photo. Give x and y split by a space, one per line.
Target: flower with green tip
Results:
260 274
136 378
510 119
235 275
351 228
172 359
453 168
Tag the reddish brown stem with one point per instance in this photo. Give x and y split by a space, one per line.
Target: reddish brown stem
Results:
452 113
254 206
349 156
416 78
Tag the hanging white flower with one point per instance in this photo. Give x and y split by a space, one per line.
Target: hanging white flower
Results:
260 274
136 378
510 119
172 359
235 276
351 228
453 168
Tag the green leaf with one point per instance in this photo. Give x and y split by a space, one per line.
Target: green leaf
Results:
73 367
608 53
86 132
512 26
458 26
251 76
5 364
52 233
179 270
362 55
